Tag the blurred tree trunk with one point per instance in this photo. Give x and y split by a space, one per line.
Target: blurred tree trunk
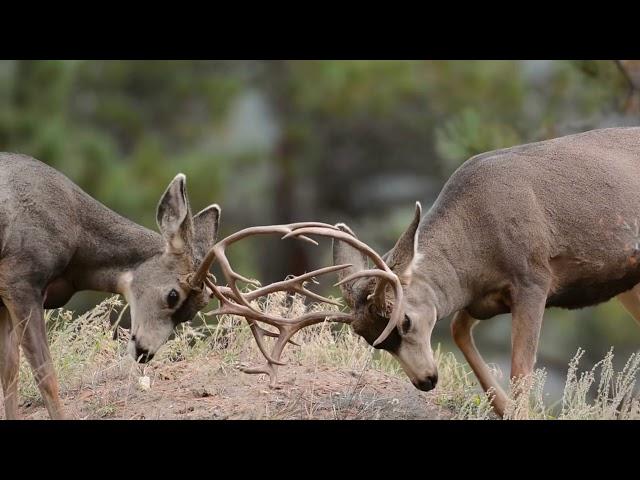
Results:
631 71
287 257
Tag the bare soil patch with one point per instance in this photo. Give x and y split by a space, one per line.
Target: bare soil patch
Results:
208 389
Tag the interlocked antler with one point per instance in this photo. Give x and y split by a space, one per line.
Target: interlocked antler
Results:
384 273
233 301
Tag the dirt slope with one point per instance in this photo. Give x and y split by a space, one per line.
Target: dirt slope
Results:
207 389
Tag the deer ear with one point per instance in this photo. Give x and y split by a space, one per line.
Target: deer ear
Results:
345 253
205 229
400 257
174 216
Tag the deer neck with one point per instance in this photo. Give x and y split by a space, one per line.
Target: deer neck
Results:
110 247
436 275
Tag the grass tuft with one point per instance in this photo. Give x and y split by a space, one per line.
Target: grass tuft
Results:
86 354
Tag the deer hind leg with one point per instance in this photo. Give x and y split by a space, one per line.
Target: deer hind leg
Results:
462 332
9 364
28 319
631 302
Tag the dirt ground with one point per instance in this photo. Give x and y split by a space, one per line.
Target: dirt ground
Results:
208 389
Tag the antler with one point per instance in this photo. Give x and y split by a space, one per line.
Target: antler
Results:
287 327
217 251
384 273
234 302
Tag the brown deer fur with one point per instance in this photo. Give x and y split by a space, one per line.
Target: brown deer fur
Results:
56 240
553 223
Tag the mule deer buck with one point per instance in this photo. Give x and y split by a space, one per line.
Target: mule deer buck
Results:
56 240
547 224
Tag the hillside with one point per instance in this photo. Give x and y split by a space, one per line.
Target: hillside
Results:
333 374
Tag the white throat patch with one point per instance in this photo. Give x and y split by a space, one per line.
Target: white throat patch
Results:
124 285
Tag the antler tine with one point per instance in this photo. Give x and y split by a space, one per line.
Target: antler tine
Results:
286 332
366 273
297 284
340 235
268 333
385 274
234 302
242 308
228 308
217 251
286 327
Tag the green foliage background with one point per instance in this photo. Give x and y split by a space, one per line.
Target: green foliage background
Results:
277 141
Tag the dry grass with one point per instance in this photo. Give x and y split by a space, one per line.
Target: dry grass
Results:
601 393
82 349
86 356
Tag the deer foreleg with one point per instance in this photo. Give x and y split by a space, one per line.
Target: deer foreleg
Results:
28 321
9 364
461 329
527 313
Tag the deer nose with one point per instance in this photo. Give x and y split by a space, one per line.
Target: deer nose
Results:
142 354
427 384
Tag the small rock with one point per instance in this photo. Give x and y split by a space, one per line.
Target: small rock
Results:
144 383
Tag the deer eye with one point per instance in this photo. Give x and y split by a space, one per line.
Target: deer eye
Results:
406 325
172 298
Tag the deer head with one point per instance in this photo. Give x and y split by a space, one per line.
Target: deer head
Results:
171 286
158 290
408 336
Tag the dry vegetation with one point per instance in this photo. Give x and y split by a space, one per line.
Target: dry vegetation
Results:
333 375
